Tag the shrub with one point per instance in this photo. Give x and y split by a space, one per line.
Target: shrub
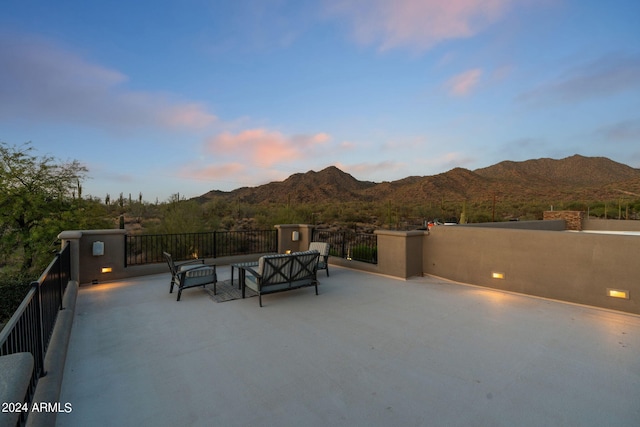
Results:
364 253
12 292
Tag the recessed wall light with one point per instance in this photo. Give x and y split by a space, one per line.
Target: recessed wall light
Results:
618 293
497 275
107 269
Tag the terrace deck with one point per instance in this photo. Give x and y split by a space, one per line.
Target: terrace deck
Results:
368 351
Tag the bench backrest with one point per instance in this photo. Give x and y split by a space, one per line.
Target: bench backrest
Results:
284 268
321 247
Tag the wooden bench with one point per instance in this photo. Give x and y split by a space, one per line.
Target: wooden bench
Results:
282 272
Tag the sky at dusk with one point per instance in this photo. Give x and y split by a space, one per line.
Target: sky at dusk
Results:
163 97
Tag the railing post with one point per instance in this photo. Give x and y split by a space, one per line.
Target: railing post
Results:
215 244
126 255
60 279
275 237
39 362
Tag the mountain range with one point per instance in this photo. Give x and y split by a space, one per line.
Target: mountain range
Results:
575 178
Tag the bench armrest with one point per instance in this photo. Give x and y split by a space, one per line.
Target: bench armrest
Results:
200 267
193 261
252 271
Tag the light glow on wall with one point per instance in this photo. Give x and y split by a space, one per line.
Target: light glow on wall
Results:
618 293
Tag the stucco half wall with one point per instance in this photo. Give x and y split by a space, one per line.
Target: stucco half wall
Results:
570 266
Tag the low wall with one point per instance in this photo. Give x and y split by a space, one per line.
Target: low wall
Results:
88 268
568 266
610 225
16 370
50 385
550 225
532 256
399 252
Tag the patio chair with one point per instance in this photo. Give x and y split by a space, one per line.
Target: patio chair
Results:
199 275
323 259
175 268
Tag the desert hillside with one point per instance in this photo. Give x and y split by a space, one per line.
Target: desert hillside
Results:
575 178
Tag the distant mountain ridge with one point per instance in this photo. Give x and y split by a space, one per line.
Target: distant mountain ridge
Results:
576 178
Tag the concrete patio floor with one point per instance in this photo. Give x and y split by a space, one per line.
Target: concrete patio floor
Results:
368 351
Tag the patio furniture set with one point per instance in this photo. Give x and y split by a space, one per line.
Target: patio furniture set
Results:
270 274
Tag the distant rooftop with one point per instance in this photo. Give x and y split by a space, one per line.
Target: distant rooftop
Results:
368 351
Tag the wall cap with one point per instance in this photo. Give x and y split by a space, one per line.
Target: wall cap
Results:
103 232
77 234
397 233
68 235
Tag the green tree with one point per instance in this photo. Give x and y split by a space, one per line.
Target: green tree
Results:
180 216
37 201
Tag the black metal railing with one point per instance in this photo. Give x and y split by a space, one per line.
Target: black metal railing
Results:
349 245
148 248
31 326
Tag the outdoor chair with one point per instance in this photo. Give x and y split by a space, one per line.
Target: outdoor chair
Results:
198 275
175 267
183 277
323 258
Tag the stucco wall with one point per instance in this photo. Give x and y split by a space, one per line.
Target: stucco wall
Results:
552 225
85 267
400 253
569 266
610 225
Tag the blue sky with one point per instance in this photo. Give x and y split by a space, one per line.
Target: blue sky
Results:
164 97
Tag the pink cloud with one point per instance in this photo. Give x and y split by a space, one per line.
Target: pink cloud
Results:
347 145
417 24
265 148
463 83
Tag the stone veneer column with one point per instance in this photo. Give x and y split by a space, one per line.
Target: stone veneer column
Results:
572 219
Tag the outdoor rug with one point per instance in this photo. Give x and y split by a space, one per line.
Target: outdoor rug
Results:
226 292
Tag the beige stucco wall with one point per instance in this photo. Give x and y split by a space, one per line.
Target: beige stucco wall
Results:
551 225
89 267
610 225
285 237
400 253
571 266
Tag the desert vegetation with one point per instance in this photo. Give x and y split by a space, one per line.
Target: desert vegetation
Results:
42 196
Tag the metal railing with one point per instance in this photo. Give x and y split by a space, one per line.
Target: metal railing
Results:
30 327
148 248
349 245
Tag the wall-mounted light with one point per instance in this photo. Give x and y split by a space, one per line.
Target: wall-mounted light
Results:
618 293
496 275
106 270
98 248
